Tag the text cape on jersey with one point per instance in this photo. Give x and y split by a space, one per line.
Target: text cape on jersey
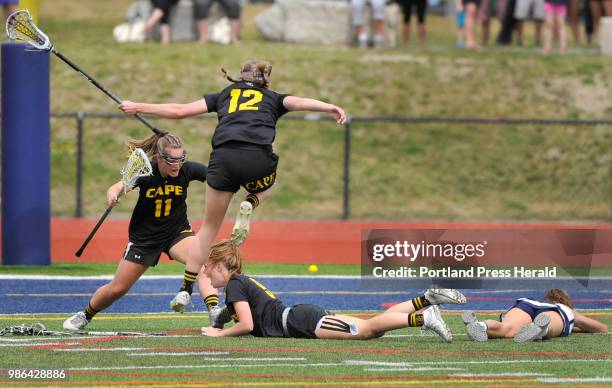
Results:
161 210
246 113
266 311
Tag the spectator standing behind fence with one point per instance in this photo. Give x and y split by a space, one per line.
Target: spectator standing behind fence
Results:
555 11
573 10
232 10
490 9
600 8
471 14
378 16
460 23
523 9
161 14
421 9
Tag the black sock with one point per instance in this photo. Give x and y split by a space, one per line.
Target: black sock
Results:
415 319
188 279
420 303
211 301
90 312
252 198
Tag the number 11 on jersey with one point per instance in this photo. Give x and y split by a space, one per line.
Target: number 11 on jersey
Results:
167 207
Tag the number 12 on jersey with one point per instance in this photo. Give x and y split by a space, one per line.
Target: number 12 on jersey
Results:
255 97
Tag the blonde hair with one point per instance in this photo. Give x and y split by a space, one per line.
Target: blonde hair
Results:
156 143
228 254
253 70
557 295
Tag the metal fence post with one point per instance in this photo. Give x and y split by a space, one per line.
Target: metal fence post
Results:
347 165
79 166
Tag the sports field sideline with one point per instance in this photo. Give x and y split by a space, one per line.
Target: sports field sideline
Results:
403 357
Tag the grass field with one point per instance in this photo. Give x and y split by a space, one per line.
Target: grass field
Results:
403 357
412 172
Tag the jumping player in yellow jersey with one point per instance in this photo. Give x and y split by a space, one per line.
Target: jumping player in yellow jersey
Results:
242 151
158 224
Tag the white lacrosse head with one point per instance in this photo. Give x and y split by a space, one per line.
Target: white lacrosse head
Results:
138 165
19 26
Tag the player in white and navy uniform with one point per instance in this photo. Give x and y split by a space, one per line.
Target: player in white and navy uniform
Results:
532 320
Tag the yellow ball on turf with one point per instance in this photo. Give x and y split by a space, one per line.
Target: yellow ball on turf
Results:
313 268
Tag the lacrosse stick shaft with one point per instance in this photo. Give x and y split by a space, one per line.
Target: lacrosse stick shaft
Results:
102 88
95 229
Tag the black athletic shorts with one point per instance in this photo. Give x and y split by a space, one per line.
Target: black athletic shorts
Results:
201 8
236 164
148 254
303 319
164 6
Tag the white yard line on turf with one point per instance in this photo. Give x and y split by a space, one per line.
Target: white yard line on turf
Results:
555 380
484 362
423 369
207 366
515 374
170 354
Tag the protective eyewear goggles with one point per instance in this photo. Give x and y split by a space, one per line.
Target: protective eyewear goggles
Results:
172 160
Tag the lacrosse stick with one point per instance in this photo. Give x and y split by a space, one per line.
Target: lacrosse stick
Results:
38 329
19 26
138 165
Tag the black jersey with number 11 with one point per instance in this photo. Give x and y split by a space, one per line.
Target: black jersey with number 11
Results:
161 210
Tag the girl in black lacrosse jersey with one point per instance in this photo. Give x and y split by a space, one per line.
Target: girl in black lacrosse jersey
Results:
158 224
242 151
257 311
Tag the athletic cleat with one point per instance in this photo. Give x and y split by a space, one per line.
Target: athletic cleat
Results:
444 296
180 302
76 322
534 331
218 316
433 321
241 227
476 331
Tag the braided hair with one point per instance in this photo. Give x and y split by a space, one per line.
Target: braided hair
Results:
255 71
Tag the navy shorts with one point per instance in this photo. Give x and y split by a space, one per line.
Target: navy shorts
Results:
236 164
534 308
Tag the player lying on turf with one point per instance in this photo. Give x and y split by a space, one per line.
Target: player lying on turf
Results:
257 311
532 320
159 224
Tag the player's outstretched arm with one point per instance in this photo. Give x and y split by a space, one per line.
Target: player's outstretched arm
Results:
588 325
243 327
168 111
293 103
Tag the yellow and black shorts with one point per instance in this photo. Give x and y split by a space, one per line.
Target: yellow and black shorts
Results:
236 164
